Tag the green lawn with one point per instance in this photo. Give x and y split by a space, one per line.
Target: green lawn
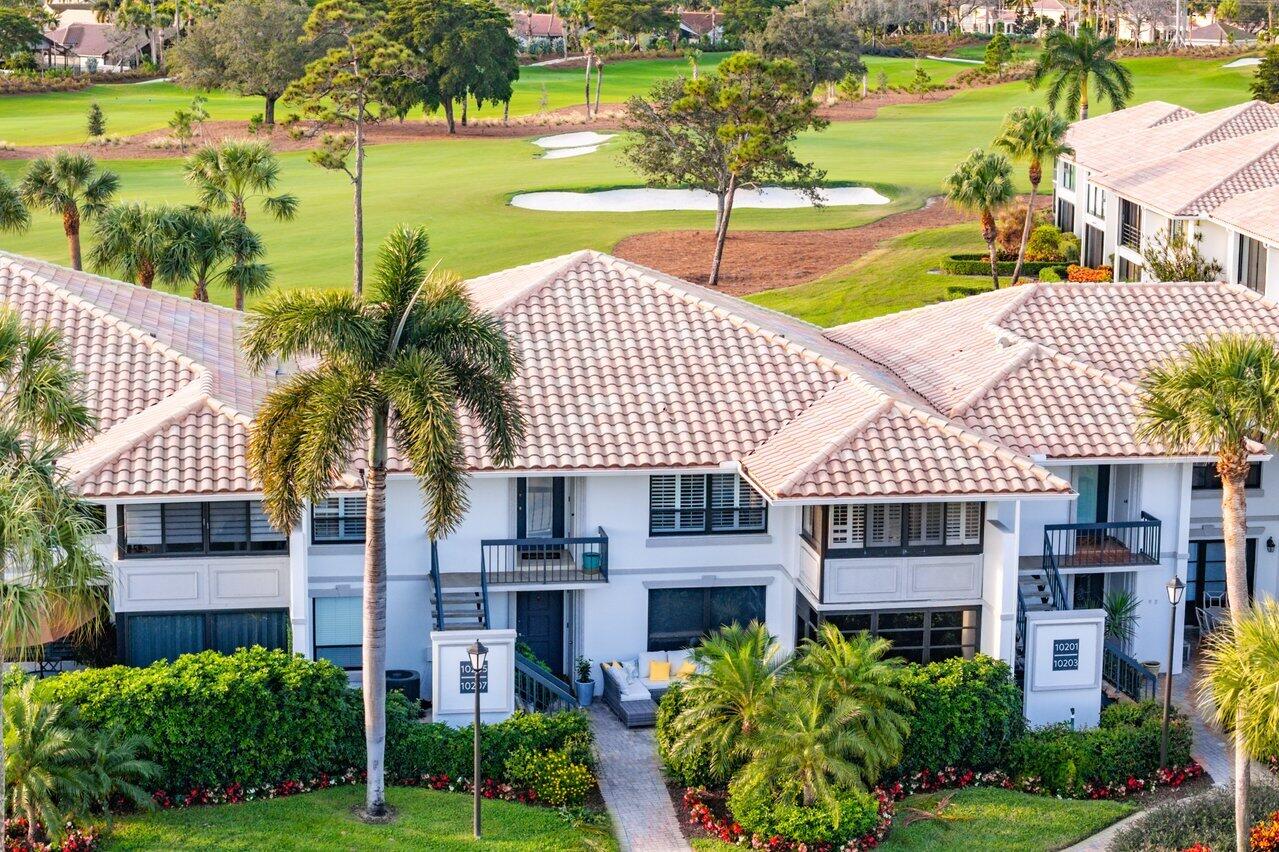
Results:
895 276
59 117
323 820
992 821
459 189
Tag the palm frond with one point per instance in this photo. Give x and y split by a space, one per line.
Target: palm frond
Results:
327 324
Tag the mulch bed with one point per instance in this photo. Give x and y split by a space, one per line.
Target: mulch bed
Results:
764 260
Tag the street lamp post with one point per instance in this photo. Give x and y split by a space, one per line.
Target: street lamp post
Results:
1176 589
477 652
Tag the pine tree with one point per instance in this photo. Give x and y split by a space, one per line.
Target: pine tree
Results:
999 52
97 121
1265 86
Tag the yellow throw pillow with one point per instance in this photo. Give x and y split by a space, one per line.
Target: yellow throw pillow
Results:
659 670
686 668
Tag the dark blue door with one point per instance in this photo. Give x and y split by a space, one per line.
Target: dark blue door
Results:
539 621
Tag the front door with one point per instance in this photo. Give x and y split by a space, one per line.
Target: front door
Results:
539 513
539 621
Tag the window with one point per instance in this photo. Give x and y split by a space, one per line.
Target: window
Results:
1065 216
1177 229
1097 201
338 519
918 635
1252 264
679 618
1203 477
1128 271
1094 246
144 638
1129 224
690 504
339 629
1206 571
881 529
810 524
197 529
1067 175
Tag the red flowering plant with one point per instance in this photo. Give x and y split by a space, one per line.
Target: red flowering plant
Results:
73 839
1265 834
708 812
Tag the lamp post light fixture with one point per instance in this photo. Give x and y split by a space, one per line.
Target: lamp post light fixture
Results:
1176 589
478 654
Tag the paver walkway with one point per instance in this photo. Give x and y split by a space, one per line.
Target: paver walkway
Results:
631 781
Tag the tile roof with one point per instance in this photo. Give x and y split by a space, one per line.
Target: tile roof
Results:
1256 213
1061 362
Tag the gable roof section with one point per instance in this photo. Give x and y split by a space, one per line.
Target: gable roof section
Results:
1255 213
1064 360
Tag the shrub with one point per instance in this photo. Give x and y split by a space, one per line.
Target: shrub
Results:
1125 745
1207 819
1048 243
974 263
253 717
967 713
552 775
1052 274
852 816
1088 274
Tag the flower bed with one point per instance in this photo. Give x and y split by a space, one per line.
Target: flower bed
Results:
74 840
1090 274
709 812
29 83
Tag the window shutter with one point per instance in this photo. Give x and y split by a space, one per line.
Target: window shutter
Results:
692 502
723 501
260 528
142 524
847 526
184 526
972 523
924 524
353 517
752 513
326 520
884 527
663 501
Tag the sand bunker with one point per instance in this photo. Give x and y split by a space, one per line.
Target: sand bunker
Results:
1243 63
573 140
643 200
564 153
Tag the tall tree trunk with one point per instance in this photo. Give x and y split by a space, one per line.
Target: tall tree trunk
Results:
146 276
590 58
71 227
239 297
268 114
448 114
1083 99
359 197
988 234
1232 467
1036 175
721 229
201 290
374 656
466 100
599 85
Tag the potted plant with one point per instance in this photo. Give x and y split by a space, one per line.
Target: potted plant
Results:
585 685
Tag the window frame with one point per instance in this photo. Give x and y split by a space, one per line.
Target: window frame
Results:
1096 201
1067 175
341 519
1250 265
1213 481
706 627
316 646
204 551
707 508
904 547
808 617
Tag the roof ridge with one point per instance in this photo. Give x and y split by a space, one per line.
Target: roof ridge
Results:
841 436
562 263
1188 208
145 338
1236 110
1027 349
138 427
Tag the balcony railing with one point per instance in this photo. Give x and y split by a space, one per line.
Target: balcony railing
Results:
509 561
1117 543
1130 235
538 692
1126 674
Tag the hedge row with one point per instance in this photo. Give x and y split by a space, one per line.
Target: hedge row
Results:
979 264
259 717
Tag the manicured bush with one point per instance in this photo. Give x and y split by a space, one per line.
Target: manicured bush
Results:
1208 819
1052 274
755 809
253 717
1125 745
552 775
967 714
979 264
693 768
1050 245
1089 274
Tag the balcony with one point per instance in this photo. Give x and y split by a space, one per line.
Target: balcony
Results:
1130 225
1108 545
521 561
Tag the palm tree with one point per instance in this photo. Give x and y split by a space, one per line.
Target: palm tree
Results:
1222 397
13 212
739 670
859 670
982 184
1070 63
210 248
229 174
46 537
116 768
404 361
808 738
131 239
1032 134
46 759
69 185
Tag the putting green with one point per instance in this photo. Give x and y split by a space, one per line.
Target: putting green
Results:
459 188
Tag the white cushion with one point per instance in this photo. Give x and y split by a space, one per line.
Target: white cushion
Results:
618 675
635 691
631 669
677 659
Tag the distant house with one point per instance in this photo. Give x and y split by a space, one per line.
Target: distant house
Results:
991 18
91 47
701 26
1217 33
533 30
